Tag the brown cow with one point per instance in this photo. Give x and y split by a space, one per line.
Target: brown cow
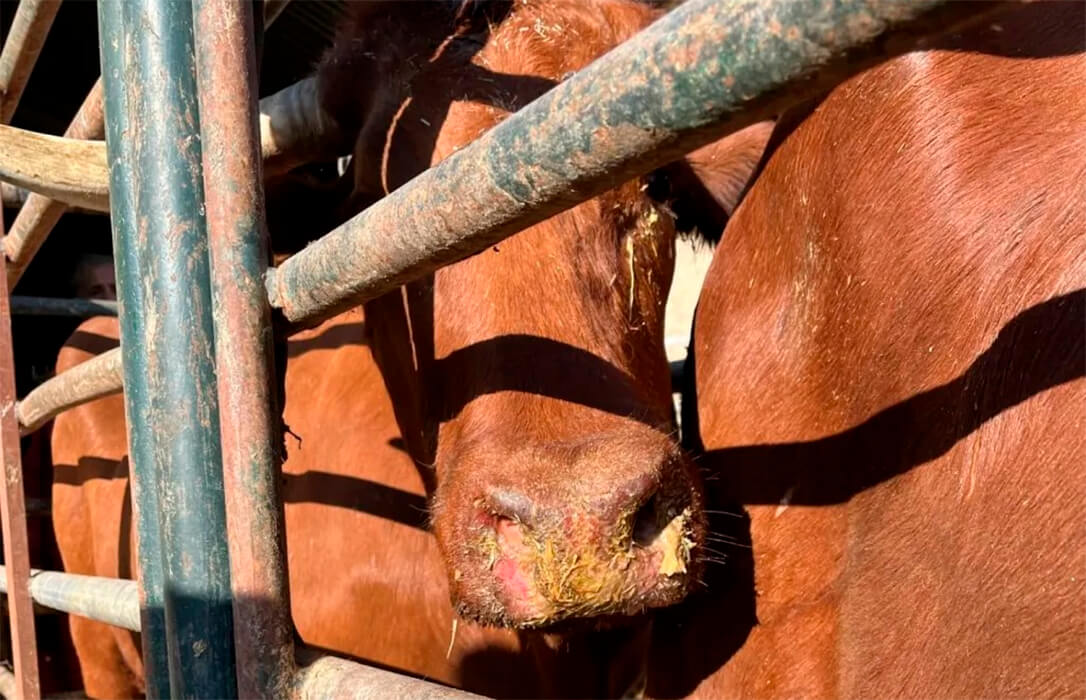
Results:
566 397
529 380
889 368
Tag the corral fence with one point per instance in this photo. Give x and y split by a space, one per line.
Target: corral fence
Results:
197 297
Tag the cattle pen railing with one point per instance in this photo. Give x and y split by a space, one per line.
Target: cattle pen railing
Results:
197 298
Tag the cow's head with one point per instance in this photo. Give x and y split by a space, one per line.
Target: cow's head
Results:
530 380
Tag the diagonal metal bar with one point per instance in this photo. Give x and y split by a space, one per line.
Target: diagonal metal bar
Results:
40 214
29 28
703 70
97 377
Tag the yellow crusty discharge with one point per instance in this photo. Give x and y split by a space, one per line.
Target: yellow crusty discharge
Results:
675 545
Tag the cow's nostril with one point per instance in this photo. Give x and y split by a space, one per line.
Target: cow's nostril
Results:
645 525
510 506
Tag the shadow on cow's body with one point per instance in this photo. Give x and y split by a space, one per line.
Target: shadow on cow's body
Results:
529 381
529 387
889 357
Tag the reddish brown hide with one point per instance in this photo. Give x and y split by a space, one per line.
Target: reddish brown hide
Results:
366 578
889 367
530 380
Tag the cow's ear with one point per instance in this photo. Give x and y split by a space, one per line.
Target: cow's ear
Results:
704 188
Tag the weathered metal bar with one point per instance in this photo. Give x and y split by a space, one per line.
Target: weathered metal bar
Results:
54 306
13 520
97 377
181 416
293 131
71 170
332 677
120 118
113 601
703 70
249 417
29 27
40 214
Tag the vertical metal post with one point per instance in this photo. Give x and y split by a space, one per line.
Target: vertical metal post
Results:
13 518
141 475
166 330
251 430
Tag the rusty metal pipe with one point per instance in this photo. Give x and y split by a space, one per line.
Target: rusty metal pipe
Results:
97 377
40 214
332 677
110 600
248 413
13 521
29 28
705 69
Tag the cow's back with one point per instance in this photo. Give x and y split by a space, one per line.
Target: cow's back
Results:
890 359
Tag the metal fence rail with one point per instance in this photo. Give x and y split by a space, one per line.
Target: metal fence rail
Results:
55 306
705 69
39 214
109 600
97 377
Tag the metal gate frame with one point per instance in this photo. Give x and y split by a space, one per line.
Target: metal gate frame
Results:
185 195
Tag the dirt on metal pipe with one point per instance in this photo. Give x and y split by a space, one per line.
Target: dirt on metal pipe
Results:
113 601
97 377
332 677
248 412
705 69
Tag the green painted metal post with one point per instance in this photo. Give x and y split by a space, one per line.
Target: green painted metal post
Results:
126 259
160 236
